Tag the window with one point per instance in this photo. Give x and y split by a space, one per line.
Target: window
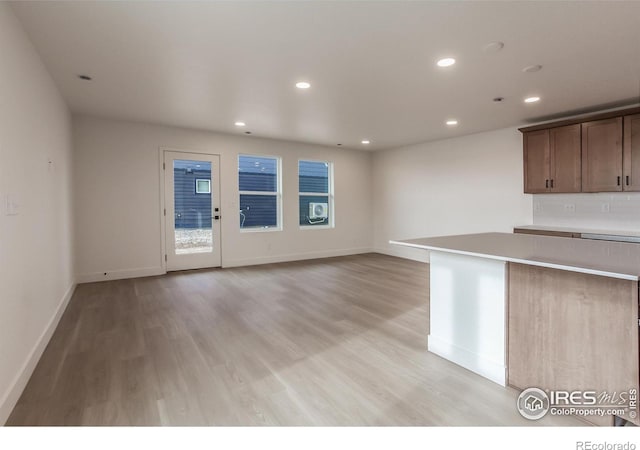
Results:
259 185
315 185
203 186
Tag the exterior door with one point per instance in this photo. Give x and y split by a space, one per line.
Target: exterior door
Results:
192 210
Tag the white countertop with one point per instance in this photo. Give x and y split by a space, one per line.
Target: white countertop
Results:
609 259
633 233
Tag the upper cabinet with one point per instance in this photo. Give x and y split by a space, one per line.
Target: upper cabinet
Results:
631 161
600 153
536 161
552 160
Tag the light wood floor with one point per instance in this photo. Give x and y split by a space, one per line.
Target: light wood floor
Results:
339 341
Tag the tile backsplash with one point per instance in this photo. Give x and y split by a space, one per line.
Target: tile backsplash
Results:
608 211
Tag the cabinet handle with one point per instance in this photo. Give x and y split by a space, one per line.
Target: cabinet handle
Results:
627 180
546 184
552 183
618 180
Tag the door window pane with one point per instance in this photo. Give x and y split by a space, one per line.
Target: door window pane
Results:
192 206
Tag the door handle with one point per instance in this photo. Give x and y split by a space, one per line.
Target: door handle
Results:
546 184
627 180
552 183
618 180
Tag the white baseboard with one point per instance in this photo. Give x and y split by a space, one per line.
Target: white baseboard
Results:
475 362
120 274
295 257
12 395
414 254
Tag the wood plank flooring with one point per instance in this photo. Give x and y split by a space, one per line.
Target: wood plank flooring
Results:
337 341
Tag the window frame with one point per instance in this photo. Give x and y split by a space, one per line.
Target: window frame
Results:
277 194
208 180
330 196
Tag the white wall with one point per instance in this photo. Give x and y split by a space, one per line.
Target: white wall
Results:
461 185
36 257
615 211
117 188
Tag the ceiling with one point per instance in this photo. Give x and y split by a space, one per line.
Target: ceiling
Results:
371 65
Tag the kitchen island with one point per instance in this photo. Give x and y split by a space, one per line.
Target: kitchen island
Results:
536 311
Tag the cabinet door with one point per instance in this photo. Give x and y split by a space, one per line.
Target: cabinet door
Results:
565 168
631 162
536 161
602 155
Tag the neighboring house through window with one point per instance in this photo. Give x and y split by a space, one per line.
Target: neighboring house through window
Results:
315 186
260 192
203 186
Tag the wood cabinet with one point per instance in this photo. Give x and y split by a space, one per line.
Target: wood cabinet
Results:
552 160
602 155
572 331
596 153
631 153
536 161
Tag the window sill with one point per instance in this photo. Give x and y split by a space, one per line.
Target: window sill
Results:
259 230
316 227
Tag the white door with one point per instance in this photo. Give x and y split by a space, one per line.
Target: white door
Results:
192 210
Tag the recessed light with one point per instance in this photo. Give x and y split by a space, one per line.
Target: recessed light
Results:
498 99
366 142
532 69
452 122
303 85
247 132
446 62
531 99
85 77
240 124
339 145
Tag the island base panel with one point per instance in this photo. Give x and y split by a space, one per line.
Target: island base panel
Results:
572 331
467 313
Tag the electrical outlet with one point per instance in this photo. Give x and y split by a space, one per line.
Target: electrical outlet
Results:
605 207
537 207
570 207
